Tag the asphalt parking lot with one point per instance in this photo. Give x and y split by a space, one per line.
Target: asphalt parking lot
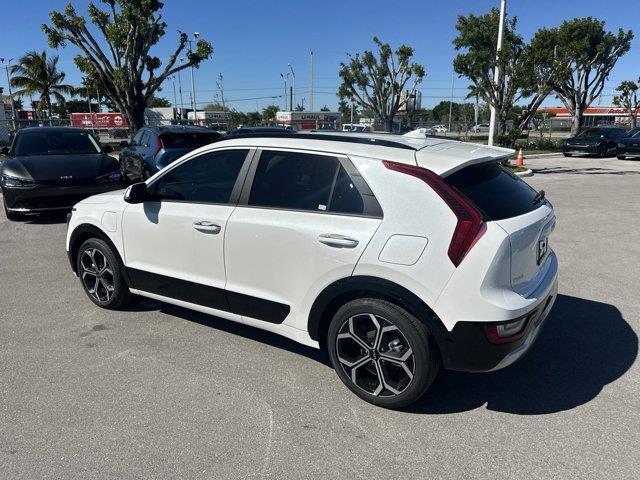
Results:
163 392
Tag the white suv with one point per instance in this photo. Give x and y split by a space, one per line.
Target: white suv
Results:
398 255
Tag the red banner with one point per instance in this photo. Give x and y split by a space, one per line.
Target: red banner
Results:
98 120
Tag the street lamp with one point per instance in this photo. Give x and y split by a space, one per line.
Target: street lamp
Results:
13 108
175 99
292 98
196 35
180 90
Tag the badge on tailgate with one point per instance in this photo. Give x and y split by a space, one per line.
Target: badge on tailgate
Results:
543 248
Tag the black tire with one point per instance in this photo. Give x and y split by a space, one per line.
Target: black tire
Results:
12 216
566 154
621 157
422 358
109 274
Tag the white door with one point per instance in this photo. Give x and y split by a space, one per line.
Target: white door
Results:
173 243
304 224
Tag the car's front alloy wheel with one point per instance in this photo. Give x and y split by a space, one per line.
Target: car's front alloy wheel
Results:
101 274
97 275
381 352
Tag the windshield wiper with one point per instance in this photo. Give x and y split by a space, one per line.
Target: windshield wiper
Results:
538 198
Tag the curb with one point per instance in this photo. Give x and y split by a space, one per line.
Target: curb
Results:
527 173
542 155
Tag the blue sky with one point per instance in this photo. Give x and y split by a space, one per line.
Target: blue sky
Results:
255 40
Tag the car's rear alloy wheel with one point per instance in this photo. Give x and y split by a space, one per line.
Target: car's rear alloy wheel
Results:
381 352
101 274
375 355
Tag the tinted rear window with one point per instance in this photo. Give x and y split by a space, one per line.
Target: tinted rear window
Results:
188 139
496 191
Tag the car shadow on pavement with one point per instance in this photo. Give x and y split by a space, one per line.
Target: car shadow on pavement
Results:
246 331
49 218
584 171
584 346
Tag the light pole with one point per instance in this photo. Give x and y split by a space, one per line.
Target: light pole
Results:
196 35
496 73
293 96
13 108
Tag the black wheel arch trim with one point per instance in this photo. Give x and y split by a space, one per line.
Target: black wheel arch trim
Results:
83 232
334 295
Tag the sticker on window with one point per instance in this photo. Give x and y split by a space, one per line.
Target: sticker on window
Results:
322 207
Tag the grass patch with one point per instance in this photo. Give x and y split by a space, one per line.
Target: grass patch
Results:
517 168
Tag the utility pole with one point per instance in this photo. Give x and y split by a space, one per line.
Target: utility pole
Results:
496 74
13 107
352 114
311 80
284 78
293 88
220 84
175 99
476 111
453 78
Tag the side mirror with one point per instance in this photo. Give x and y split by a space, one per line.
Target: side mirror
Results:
136 193
4 150
107 148
124 144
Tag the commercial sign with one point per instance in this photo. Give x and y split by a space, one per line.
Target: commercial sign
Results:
98 120
590 111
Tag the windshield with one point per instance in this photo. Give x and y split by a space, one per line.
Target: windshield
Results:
188 139
55 143
593 133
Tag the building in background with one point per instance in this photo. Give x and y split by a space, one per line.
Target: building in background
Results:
309 120
216 120
593 116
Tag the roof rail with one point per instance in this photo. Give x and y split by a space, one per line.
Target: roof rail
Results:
326 137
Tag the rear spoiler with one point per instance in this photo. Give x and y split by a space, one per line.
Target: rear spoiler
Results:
450 156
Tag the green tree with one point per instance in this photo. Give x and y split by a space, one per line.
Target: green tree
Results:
299 108
345 108
254 118
215 107
627 98
376 82
37 74
269 113
477 38
120 55
325 109
587 53
155 102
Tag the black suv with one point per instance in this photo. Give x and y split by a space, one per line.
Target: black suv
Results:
153 148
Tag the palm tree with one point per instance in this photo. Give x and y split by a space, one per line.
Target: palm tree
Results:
35 74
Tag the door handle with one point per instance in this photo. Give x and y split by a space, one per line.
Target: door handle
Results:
337 240
207 227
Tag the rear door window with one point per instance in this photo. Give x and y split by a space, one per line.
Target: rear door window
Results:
497 192
292 180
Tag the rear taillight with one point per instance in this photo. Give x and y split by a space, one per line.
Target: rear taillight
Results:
470 226
513 330
159 146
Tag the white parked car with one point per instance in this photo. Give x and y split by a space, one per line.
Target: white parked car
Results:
399 255
439 129
480 128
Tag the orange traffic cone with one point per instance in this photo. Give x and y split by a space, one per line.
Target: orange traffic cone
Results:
520 159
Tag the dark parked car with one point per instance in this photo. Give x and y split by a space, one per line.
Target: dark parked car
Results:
600 141
153 148
630 145
261 130
52 168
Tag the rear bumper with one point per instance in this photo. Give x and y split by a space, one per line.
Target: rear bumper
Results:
628 151
467 348
49 198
